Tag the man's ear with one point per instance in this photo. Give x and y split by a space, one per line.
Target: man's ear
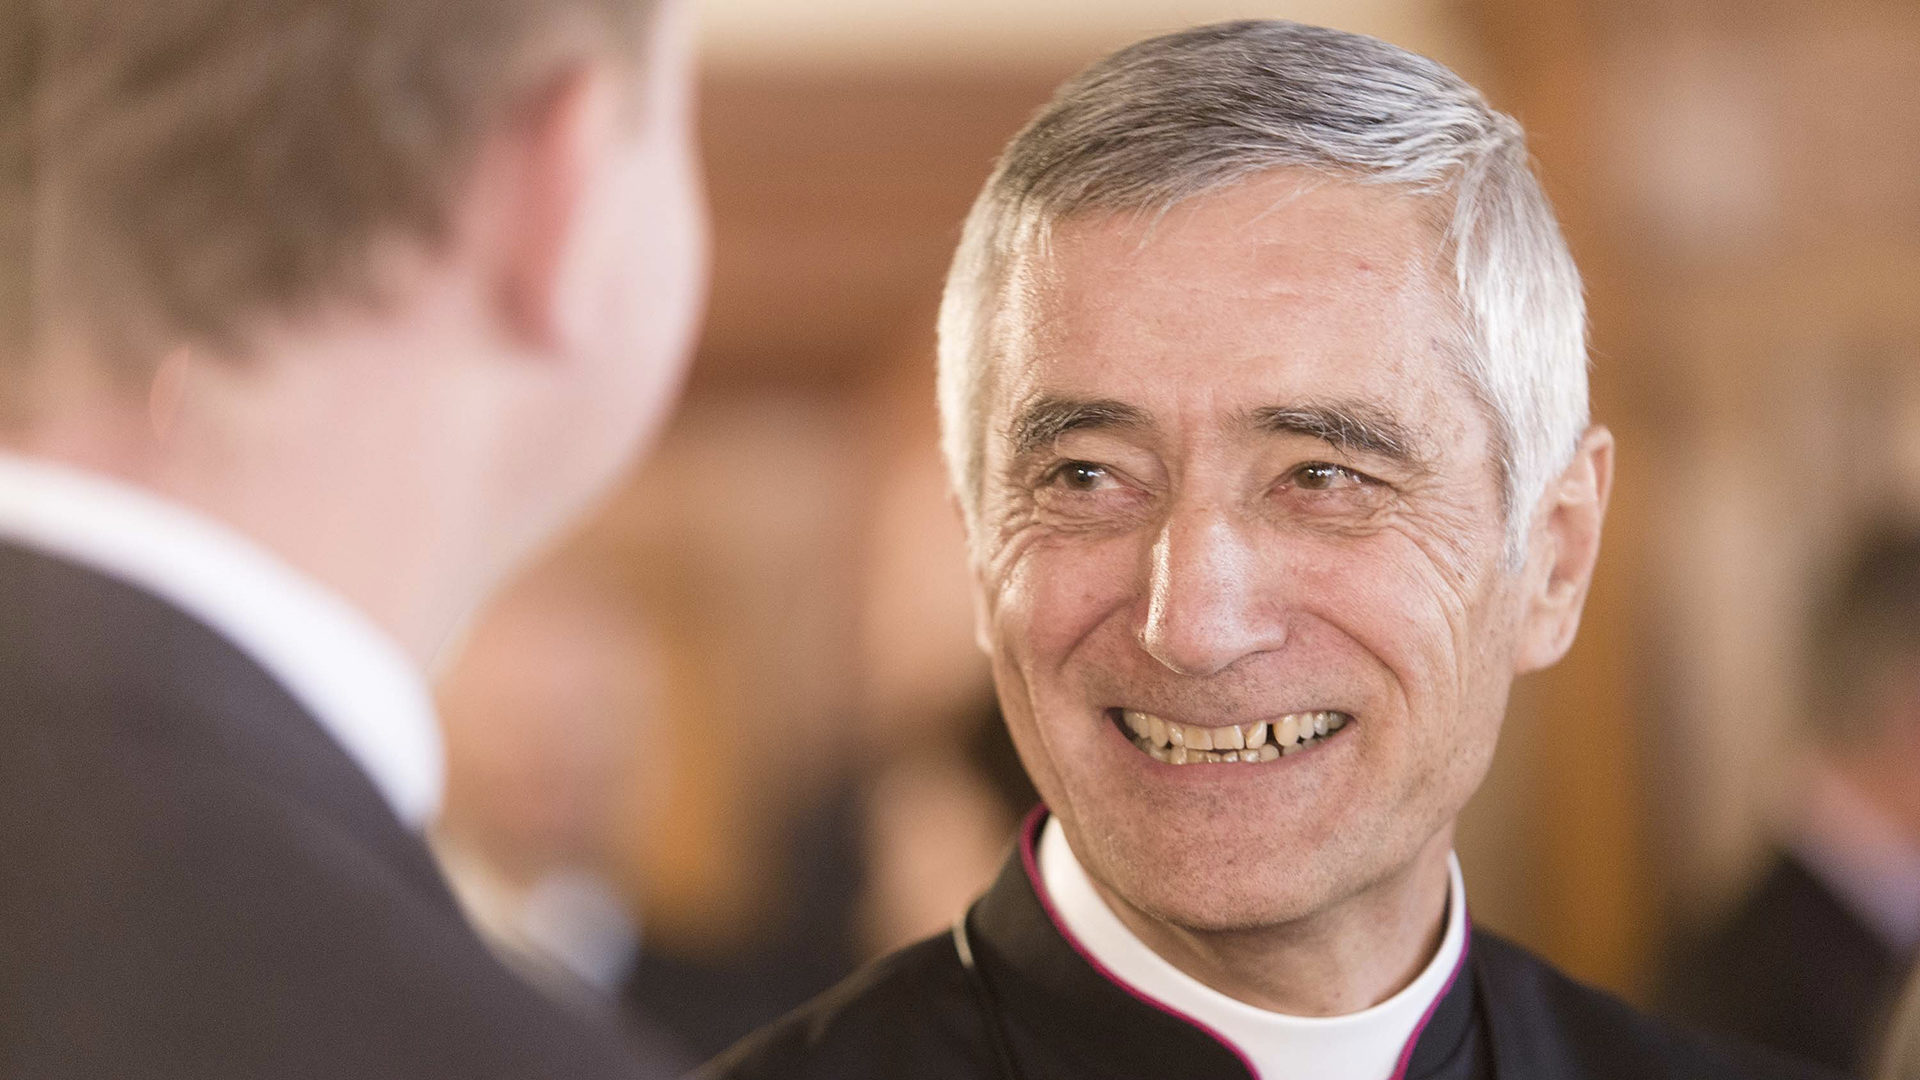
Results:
542 165
1566 544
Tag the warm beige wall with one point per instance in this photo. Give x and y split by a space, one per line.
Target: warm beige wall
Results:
869 34
1757 179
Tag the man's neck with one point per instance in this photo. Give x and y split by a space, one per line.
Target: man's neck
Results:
1354 955
330 480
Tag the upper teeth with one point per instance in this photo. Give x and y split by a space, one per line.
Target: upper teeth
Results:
1182 744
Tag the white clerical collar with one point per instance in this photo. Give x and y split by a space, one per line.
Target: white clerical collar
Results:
348 672
1367 1045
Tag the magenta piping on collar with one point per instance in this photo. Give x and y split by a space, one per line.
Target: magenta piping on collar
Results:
1466 946
1029 842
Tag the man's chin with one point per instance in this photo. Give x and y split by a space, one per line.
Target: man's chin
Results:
1219 892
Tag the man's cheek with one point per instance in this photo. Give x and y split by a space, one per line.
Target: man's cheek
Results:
1413 626
1060 593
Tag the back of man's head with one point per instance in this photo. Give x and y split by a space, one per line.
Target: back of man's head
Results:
393 287
181 171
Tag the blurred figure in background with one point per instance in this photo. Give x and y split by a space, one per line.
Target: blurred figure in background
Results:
880 813
798 941
938 823
885 856
324 314
548 714
1810 960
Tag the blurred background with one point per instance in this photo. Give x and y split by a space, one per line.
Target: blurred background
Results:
735 738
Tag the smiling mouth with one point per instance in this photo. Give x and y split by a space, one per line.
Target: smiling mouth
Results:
1188 744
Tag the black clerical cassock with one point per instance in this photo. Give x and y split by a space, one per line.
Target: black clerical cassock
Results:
1008 996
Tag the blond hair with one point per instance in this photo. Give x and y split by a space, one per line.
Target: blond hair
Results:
175 171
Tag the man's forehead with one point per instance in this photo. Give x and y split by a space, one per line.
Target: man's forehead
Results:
1268 316
1258 265
1275 230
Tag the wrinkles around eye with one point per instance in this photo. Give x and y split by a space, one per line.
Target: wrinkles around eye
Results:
1328 492
1076 475
1327 476
1081 492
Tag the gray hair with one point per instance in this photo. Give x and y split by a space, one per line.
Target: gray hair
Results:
1195 112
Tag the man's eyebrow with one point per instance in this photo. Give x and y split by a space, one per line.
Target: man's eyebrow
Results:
1354 427
1045 419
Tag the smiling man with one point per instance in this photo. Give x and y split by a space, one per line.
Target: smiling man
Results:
1263 372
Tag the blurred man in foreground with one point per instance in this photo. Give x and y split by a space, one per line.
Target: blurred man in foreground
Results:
323 313
1263 376
1812 957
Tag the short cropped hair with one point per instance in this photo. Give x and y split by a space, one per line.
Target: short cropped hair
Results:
177 170
1865 631
1195 112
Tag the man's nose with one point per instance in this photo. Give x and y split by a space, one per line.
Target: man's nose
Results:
1206 607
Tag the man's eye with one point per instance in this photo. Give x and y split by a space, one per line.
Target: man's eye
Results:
1324 476
1079 476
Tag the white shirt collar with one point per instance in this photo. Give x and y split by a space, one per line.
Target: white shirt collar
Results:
348 672
1367 1045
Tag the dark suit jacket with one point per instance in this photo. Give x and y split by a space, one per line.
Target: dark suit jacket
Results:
196 881
1039 1010
1793 968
